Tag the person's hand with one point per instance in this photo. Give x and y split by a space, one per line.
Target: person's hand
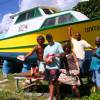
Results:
21 57
56 55
49 58
69 28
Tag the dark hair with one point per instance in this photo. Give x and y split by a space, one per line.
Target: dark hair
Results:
40 38
97 39
48 36
67 44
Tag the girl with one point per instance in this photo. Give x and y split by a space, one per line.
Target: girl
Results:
72 67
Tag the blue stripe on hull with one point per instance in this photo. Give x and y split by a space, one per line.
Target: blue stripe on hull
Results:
13 56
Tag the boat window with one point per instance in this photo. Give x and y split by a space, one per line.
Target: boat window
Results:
28 15
47 11
33 13
22 17
62 19
54 11
49 22
37 13
67 18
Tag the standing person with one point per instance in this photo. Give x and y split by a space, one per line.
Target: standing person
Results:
9 66
79 46
52 54
6 68
39 49
73 65
95 64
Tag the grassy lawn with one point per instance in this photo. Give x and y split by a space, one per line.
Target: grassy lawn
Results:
8 91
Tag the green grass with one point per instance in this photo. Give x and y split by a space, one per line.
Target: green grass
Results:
8 92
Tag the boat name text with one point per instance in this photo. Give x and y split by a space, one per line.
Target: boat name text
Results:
22 28
92 28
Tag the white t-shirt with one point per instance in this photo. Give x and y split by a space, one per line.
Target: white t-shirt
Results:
79 46
56 48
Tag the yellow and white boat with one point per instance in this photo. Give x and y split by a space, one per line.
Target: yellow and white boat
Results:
27 25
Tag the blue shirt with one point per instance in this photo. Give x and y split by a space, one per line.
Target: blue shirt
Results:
95 63
56 48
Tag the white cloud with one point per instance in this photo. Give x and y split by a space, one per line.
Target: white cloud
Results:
83 0
60 4
4 25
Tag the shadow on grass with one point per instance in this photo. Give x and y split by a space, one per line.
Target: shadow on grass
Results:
13 99
65 90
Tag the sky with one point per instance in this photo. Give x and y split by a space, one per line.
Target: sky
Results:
9 7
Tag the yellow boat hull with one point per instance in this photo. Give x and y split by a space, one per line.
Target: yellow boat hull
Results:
24 43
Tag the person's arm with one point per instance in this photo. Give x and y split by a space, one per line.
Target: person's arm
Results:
59 55
76 60
97 54
70 33
30 53
45 55
87 45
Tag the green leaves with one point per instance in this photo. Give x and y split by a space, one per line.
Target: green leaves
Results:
90 9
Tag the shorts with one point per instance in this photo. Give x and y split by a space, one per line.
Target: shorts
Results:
51 75
96 77
41 67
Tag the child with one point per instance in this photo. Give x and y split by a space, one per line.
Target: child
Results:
39 49
71 67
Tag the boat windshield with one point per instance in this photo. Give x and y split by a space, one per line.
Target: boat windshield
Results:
61 19
28 15
47 11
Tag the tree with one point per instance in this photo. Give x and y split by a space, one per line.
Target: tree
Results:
90 8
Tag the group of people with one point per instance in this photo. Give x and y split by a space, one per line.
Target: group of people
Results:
73 55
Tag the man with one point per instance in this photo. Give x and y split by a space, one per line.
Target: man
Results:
79 46
52 54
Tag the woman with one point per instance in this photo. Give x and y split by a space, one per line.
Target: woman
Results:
95 65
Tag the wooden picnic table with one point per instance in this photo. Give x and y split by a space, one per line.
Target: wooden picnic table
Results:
26 76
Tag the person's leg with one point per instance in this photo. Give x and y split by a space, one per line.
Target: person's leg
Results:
6 68
76 90
52 76
97 73
93 89
51 90
81 67
81 70
57 90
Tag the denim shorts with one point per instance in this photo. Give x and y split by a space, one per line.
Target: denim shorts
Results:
51 75
96 77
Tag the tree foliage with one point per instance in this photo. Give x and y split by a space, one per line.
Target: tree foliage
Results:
90 8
